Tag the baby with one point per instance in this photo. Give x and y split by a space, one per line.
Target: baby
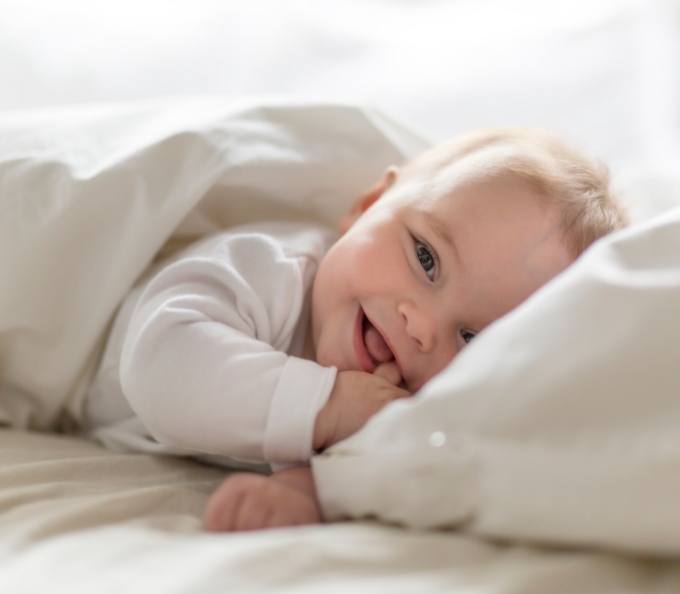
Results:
268 343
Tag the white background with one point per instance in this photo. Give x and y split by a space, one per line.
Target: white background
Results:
605 74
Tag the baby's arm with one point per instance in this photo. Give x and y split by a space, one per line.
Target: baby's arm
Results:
203 362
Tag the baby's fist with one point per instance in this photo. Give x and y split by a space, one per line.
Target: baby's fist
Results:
355 398
252 502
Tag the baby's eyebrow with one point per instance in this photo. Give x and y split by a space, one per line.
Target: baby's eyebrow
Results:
441 229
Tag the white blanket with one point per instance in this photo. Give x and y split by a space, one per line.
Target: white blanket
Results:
90 195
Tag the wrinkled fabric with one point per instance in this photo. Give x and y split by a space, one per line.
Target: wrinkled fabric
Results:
91 195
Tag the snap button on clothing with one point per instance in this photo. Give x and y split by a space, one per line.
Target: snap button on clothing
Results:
437 439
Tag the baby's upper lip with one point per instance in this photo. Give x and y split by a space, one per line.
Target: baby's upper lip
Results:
388 343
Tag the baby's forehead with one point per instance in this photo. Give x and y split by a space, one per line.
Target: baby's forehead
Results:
476 165
528 169
431 179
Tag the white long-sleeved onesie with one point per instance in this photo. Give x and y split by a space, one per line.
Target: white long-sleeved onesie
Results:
205 355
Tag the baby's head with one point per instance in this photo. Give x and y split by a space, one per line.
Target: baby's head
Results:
438 250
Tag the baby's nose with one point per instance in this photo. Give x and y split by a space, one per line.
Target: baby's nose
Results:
419 326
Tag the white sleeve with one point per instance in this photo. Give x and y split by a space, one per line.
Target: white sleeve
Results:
198 366
559 424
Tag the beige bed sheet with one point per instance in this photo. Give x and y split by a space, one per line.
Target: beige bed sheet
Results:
75 517
51 485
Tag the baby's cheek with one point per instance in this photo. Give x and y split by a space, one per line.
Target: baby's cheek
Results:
332 349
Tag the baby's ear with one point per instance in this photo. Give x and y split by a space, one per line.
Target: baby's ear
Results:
368 198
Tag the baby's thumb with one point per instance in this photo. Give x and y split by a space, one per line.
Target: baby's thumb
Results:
389 372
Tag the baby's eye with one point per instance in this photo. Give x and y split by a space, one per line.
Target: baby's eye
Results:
426 258
467 335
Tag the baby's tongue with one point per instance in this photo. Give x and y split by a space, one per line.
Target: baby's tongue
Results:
376 346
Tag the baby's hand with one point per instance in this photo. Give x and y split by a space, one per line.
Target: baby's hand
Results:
355 398
247 501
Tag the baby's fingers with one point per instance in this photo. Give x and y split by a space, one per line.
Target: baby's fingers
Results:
254 514
389 372
235 504
223 507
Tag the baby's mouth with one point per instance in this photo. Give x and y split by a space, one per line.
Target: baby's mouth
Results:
376 345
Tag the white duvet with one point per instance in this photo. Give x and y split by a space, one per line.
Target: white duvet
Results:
90 196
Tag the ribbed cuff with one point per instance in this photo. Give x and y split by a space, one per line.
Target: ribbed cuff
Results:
302 391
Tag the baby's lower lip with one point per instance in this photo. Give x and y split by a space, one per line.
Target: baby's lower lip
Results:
365 361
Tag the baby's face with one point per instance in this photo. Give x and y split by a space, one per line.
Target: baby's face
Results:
429 265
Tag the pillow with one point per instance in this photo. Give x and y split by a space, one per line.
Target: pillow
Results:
558 424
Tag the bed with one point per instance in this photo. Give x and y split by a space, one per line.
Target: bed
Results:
182 119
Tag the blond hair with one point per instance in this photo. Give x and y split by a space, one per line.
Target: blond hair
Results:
579 185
